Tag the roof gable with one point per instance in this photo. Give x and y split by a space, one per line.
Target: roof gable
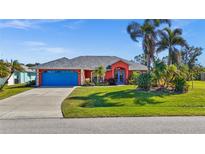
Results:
120 60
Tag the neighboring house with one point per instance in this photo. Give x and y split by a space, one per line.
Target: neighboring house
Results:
2 81
203 76
22 77
72 72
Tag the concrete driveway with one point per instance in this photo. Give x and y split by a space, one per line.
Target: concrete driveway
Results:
35 103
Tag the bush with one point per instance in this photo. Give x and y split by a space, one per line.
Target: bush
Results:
180 84
111 81
88 82
31 83
144 81
133 78
105 83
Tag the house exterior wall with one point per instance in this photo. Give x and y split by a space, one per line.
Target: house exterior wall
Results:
108 74
26 76
21 77
88 73
37 77
11 80
119 64
82 75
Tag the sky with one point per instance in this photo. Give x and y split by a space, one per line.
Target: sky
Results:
31 41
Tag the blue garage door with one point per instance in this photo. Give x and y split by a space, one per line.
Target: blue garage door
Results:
59 78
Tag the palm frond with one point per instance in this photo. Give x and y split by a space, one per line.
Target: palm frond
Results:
177 31
135 31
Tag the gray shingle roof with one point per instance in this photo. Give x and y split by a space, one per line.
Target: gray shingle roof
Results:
88 62
27 69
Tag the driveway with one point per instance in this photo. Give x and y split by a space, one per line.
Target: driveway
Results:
35 103
128 125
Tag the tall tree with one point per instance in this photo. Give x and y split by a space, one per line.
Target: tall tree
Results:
148 33
12 67
190 55
141 59
170 40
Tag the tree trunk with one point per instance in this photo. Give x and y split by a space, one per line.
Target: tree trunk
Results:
148 63
6 81
97 79
170 57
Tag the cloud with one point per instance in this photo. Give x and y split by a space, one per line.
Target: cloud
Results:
43 47
181 23
34 43
53 49
24 24
75 24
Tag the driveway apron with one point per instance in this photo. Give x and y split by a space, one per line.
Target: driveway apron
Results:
35 103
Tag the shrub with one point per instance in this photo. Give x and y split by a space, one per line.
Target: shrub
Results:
105 83
31 83
88 82
133 78
144 81
111 81
158 72
180 84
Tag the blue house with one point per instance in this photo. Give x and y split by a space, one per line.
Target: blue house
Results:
22 77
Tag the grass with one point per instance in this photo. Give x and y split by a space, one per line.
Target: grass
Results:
13 90
127 101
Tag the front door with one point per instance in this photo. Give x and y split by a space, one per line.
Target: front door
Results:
120 76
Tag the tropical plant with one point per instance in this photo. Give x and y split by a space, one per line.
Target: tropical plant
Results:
183 71
133 78
12 67
170 40
180 84
159 70
144 81
100 73
170 73
148 33
4 70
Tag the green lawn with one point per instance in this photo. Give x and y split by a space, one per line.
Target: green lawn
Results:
13 90
126 101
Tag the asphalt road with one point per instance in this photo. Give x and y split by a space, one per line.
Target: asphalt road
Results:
137 125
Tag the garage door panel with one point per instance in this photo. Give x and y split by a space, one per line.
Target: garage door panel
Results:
59 78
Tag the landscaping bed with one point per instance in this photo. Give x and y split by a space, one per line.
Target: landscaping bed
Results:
119 101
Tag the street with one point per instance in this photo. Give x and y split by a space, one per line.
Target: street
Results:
124 125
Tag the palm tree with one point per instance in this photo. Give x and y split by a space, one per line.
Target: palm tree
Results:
169 40
100 73
12 67
4 70
148 32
